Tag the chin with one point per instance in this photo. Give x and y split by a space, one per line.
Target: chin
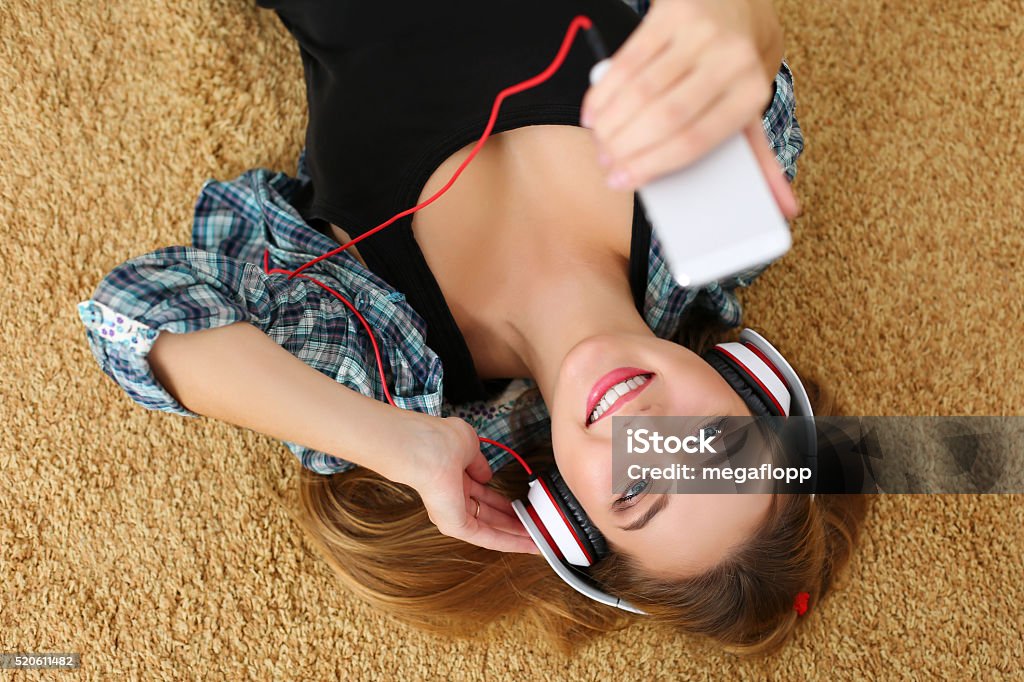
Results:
585 360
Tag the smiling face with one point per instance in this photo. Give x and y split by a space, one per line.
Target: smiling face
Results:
670 536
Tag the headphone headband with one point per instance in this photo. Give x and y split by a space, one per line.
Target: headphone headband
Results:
800 403
752 363
769 384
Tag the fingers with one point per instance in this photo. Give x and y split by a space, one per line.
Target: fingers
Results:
489 516
674 112
781 189
500 541
495 527
725 116
492 529
644 86
641 46
490 497
478 468
686 80
479 532
646 91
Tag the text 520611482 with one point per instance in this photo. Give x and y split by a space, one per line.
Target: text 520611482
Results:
39 661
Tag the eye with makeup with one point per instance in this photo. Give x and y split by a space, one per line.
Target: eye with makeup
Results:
713 428
631 496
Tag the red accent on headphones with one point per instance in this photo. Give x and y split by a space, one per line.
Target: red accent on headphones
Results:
764 358
767 391
568 525
544 531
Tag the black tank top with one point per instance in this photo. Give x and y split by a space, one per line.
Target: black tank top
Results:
394 89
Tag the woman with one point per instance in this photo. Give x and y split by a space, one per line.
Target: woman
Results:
524 271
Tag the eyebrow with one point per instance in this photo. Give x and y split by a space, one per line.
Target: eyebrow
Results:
651 512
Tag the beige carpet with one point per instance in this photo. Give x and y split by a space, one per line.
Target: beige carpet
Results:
157 546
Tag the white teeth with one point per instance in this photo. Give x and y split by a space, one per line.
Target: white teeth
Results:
614 393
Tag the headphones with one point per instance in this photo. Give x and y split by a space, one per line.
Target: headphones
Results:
561 529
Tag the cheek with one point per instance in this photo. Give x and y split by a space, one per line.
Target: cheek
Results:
698 392
586 467
689 397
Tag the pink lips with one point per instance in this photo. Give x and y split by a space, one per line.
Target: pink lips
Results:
616 376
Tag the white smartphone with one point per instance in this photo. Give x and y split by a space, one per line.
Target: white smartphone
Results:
717 216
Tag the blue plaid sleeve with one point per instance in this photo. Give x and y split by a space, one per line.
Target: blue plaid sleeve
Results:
182 290
494 419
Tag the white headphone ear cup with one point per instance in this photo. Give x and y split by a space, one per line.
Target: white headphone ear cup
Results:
588 533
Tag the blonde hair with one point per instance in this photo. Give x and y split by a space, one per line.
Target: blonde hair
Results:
377 537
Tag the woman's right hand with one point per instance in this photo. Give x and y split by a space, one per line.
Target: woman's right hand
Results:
450 473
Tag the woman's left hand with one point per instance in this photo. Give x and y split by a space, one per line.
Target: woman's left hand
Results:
689 77
450 473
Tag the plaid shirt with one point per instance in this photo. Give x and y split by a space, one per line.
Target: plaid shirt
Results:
220 280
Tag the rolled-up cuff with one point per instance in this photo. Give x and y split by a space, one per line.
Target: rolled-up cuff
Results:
121 346
781 125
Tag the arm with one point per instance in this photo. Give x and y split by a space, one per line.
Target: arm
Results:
177 298
187 330
213 373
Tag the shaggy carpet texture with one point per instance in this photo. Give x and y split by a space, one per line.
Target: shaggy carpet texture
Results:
160 547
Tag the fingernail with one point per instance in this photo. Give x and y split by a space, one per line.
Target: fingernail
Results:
586 119
618 179
604 159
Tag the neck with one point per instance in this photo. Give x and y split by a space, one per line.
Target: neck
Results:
570 299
